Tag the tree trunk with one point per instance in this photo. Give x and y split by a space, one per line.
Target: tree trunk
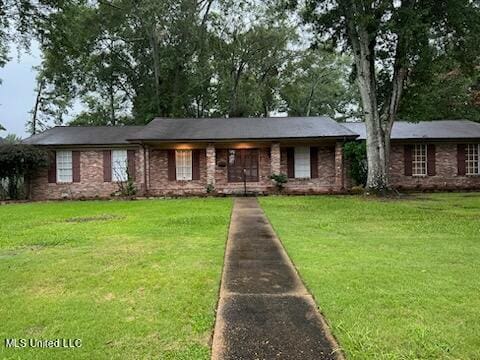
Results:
111 88
237 73
38 99
113 120
363 46
150 29
378 123
156 67
310 99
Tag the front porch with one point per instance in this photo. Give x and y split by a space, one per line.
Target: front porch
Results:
236 167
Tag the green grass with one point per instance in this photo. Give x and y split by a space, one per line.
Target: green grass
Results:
132 280
395 279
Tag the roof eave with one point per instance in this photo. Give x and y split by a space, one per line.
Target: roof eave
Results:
437 139
330 137
434 139
85 145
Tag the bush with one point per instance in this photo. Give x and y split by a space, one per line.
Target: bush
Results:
130 189
18 163
210 188
356 155
127 188
280 180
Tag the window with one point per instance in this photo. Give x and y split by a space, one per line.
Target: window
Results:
302 162
472 159
119 165
183 160
64 166
419 158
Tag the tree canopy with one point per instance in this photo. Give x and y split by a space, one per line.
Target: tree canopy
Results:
445 91
125 61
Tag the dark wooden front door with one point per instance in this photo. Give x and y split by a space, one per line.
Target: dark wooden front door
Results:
240 159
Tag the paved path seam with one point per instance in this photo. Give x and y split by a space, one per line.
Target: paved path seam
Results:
265 310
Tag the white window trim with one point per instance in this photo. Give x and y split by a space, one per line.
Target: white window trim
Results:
119 165
64 166
183 165
420 160
472 160
302 162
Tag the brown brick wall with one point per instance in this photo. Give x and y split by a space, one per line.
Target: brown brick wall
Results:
158 178
91 183
446 171
329 171
326 173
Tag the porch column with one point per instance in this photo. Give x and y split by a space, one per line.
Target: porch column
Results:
211 163
339 167
275 158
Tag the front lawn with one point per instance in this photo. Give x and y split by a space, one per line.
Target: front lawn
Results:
395 279
132 280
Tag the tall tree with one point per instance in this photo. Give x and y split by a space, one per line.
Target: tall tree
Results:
315 82
444 90
388 39
33 126
249 67
21 22
126 61
15 18
251 51
124 57
165 58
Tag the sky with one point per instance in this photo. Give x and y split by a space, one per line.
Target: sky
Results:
17 91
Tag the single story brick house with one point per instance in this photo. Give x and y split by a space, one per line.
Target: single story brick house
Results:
229 155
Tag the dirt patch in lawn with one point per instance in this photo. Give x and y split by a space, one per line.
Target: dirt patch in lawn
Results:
103 217
8 254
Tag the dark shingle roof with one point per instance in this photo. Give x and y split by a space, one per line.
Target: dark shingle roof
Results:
164 129
437 130
84 135
218 129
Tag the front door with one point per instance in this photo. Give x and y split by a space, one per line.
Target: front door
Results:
242 165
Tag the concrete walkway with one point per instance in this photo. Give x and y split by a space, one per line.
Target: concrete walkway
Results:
265 311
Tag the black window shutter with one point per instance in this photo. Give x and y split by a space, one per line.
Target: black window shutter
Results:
461 165
431 161
76 166
172 166
107 165
52 167
407 152
131 164
196 164
291 162
314 162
